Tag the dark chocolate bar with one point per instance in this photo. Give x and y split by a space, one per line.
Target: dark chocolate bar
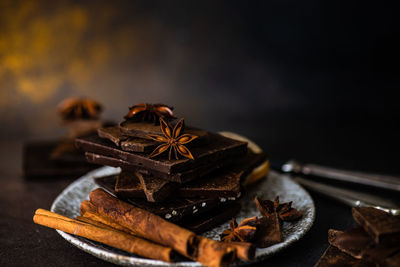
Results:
172 210
37 161
224 182
126 143
333 257
208 220
219 148
183 177
143 129
381 226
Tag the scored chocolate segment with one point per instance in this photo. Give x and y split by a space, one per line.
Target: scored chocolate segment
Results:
126 143
143 129
381 226
154 188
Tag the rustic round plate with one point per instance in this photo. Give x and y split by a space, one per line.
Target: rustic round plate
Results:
68 203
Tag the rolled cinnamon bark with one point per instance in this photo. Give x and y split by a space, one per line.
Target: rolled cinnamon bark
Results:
87 206
145 224
103 235
244 250
212 253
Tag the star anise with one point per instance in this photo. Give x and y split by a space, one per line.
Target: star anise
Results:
284 210
172 141
149 112
244 232
79 108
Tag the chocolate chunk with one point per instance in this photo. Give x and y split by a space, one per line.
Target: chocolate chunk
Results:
125 142
381 226
333 257
208 220
155 189
176 177
143 129
222 183
218 148
353 242
358 244
37 161
174 209
268 231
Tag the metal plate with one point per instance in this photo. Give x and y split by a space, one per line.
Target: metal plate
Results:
68 203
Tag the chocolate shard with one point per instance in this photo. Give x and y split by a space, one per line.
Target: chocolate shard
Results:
353 242
333 257
125 142
381 226
154 188
219 148
268 231
143 129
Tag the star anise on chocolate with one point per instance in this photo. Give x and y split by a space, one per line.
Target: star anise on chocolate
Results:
244 232
172 140
285 211
79 108
150 112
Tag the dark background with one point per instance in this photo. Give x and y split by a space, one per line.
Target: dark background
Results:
312 80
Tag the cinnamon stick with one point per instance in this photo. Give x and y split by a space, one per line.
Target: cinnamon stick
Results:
214 254
103 235
244 250
144 224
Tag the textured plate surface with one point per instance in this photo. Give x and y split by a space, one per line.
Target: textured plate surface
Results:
68 203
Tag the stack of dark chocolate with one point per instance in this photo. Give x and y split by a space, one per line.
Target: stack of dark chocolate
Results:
161 177
374 242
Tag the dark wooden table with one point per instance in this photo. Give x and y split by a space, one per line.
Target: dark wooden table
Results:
363 143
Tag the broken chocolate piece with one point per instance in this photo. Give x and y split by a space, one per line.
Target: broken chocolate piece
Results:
353 242
155 189
268 231
333 257
208 220
218 149
381 226
126 143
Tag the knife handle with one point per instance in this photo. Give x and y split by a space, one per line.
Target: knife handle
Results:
375 180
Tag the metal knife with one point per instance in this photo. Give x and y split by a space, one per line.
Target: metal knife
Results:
350 197
375 180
